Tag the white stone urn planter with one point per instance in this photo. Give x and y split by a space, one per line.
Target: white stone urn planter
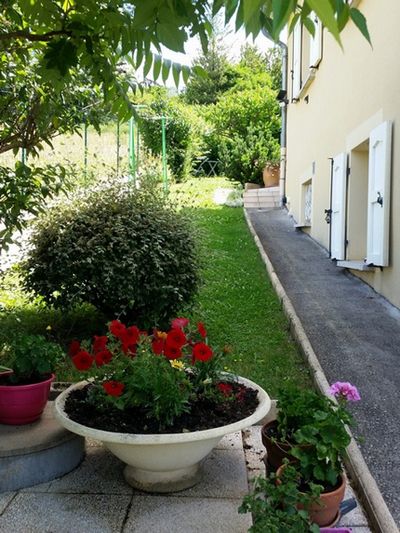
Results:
162 462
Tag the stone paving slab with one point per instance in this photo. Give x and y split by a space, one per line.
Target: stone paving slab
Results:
65 513
168 514
99 473
95 498
224 476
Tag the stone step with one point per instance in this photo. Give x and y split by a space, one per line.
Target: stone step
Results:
37 452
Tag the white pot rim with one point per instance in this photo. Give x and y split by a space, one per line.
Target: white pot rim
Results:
262 410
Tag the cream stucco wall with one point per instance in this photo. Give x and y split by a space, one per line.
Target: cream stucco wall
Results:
354 90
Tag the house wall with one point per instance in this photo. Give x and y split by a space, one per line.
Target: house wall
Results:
354 90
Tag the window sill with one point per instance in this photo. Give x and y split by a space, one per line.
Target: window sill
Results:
355 265
303 225
311 75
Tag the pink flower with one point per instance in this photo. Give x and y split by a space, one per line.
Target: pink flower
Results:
179 323
345 390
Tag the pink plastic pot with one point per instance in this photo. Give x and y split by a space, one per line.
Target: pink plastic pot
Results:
23 404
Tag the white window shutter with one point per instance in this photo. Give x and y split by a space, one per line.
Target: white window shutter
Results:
379 171
316 43
338 202
296 64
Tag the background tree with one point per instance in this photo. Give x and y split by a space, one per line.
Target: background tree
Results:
61 38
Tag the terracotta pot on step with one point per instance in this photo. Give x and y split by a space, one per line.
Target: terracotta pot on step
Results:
276 451
325 512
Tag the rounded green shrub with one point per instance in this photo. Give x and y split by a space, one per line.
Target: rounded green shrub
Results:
122 250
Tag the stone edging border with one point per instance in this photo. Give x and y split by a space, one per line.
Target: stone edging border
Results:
371 497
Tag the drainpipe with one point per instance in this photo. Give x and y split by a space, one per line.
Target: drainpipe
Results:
283 104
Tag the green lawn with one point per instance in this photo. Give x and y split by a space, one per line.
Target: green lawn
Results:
236 300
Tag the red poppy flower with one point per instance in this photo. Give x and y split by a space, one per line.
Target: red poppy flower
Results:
99 343
82 360
74 348
202 330
202 352
172 352
158 345
117 328
113 388
176 338
225 388
179 323
103 357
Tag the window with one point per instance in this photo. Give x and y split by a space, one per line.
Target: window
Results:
306 56
306 203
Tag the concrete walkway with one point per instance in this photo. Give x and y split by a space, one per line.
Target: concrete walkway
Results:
94 498
355 334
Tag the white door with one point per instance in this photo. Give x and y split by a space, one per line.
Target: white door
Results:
338 215
379 171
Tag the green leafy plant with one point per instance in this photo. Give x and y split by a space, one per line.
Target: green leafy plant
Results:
31 357
312 419
243 158
274 504
122 250
183 124
160 373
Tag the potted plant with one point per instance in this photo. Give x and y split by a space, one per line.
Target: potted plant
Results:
25 386
274 504
318 447
157 401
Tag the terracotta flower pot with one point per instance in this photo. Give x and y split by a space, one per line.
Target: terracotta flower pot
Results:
325 512
23 404
276 451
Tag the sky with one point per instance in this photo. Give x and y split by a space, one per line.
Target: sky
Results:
232 41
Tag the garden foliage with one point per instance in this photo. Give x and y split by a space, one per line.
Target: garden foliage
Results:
183 131
121 250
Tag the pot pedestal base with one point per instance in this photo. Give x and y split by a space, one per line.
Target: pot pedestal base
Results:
163 482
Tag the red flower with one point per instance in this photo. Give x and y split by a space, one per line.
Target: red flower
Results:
117 328
157 345
176 338
179 323
99 343
74 348
129 349
103 357
225 388
82 360
113 388
202 330
172 352
202 352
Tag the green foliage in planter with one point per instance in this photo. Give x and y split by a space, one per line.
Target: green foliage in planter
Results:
243 158
30 357
274 505
311 418
121 250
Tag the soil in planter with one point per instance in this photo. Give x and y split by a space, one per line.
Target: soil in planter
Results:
203 414
31 380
